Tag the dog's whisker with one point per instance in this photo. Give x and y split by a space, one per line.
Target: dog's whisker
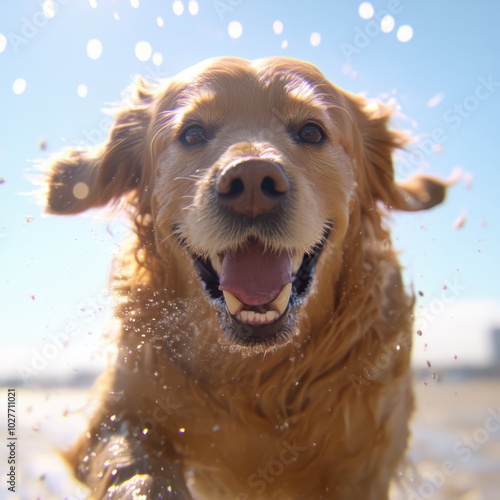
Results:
190 178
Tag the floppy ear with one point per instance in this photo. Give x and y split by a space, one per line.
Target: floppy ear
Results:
421 192
83 178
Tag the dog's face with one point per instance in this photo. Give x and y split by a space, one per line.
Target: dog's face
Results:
250 168
251 175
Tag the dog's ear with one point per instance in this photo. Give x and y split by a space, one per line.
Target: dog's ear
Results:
82 178
421 192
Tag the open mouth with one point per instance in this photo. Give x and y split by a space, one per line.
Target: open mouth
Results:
256 290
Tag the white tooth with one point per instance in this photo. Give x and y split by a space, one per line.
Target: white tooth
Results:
297 262
282 299
244 316
251 316
233 304
271 316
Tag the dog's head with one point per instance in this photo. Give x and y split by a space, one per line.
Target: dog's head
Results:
251 168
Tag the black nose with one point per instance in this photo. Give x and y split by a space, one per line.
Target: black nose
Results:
252 187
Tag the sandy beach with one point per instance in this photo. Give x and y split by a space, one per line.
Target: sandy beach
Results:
456 440
454 453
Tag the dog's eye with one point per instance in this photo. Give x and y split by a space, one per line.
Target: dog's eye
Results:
311 133
194 135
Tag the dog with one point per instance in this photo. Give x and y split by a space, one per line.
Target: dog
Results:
257 288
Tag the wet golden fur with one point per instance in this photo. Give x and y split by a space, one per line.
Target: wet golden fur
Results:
183 408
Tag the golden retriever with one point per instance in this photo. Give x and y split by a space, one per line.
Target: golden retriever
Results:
265 332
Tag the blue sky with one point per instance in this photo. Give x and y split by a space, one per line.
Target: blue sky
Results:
445 81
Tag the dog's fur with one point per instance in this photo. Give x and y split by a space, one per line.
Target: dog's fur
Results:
194 406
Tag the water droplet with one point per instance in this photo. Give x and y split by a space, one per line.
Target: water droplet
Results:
48 9
157 59
387 24
82 90
19 86
315 39
94 48
405 33
460 221
81 190
3 42
178 7
143 51
366 10
278 27
235 29
193 7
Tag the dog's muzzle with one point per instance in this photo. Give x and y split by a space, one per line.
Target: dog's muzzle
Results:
255 288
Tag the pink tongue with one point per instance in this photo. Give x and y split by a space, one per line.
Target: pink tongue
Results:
253 276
